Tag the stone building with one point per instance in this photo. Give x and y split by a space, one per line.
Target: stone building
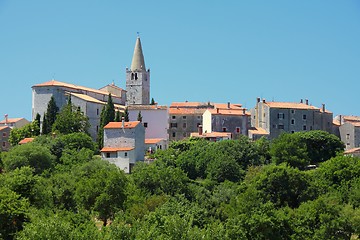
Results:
90 101
4 137
277 117
231 119
349 130
124 144
138 78
13 122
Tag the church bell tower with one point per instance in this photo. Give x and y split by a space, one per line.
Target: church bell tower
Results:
138 78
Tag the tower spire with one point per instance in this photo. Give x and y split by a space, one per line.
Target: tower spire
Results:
138 62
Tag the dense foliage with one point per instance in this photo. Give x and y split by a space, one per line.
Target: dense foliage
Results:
57 188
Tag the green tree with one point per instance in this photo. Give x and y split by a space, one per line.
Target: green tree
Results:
13 213
51 112
30 154
71 120
152 101
27 131
44 125
321 145
139 117
38 121
107 115
288 148
118 116
100 188
126 115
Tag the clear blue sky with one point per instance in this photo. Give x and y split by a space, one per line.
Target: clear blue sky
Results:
202 50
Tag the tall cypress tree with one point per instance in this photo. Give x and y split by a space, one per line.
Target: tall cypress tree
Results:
152 101
37 119
126 115
44 125
118 116
107 115
139 117
50 114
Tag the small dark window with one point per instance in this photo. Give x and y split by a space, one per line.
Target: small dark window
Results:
184 117
184 125
293 121
136 76
145 124
4 134
304 127
4 144
125 154
292 131
224 129
281 116
132 76
238 130
173 134
173 125
173 117
304 116
97 112
281 126
107 155
292 111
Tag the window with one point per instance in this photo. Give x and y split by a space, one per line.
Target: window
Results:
198 124
145 124
125 154
198 117
97 112
348 136
173 117
304 116
292 131
136 76
184 134
97 128
4 134
304 127
132 76
184 117
237 130
184 125
4 144
292 121
281 115
173 125
224 129
107 155
292 111
281 126
173 134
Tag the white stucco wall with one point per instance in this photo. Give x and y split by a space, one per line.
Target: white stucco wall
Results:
207 122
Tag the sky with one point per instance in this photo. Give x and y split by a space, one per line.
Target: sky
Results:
204 50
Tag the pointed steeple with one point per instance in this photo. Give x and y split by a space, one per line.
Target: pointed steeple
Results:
138 62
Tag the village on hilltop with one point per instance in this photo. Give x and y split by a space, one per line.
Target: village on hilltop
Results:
126 142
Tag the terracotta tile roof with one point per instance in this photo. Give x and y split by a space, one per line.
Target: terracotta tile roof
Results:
120 125
291 105
146 107
236 112
186 104
94 100
186 111
11 120
112 86
26 140
353 150
68 85
114 149
153 140
259 131
336 122
225 105
4 127
356 124
351 118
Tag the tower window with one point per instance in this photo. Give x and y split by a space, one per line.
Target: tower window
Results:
132 76
136 76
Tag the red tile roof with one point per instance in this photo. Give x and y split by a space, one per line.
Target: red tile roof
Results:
11 120
352 150
153 140
68 85
259 131
291 105
4 127
120 125
26 140
118 149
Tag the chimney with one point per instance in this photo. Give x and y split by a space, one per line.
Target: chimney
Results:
244 111
200 130
217 110
323 107
228 104
264 100
307 101
301 101
340 119
258 99
6 119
